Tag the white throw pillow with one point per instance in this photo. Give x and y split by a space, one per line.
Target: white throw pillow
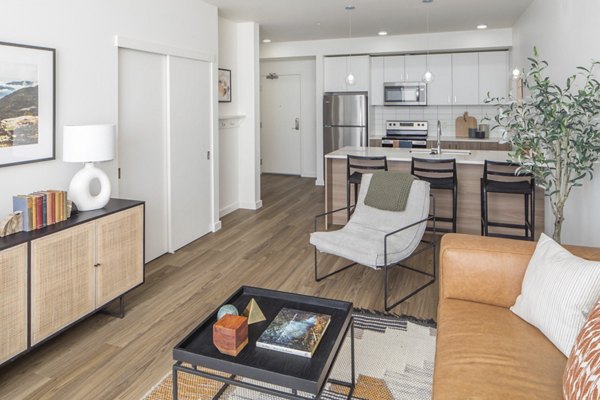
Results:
559 291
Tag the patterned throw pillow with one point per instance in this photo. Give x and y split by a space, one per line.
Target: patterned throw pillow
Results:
581 380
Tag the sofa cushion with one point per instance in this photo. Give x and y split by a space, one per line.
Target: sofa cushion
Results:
582 375
487 352
559 291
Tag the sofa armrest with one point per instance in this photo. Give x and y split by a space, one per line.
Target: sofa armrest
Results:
489 270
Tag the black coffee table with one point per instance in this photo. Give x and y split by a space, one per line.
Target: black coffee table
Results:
295 373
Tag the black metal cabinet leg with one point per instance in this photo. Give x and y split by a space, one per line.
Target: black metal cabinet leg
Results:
175 389
121 313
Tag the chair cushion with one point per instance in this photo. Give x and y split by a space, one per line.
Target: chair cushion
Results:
582 375
487 352
355 178
514 187
361 239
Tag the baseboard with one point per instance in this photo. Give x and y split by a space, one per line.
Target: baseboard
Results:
251 206
319 182
309 175
228 209
217 226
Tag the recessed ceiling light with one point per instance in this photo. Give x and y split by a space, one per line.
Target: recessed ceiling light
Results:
382 33
266 40
482 26
349 7
427 1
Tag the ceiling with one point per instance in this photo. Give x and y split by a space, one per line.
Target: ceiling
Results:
290 20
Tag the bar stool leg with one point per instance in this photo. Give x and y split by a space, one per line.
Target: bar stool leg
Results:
348 198
355 194
533 213
485 212
454 207
481 206
526 197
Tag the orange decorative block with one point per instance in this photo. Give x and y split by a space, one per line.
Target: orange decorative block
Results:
230 334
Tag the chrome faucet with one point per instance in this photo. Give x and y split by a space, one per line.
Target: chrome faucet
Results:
438 149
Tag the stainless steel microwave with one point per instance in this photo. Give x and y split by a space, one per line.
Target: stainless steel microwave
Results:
405 94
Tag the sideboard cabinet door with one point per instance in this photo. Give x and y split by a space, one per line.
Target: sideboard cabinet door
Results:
120 254
13 301
62 279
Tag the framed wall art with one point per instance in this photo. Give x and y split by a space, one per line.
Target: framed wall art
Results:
224 85
27 97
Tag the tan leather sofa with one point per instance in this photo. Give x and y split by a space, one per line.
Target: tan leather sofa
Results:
483 350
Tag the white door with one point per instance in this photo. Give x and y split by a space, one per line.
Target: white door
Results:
190 127
393 69
281 125
493 75
142 141
465 78
439 92
414 68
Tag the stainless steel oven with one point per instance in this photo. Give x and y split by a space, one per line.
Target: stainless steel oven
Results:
405 94
405 134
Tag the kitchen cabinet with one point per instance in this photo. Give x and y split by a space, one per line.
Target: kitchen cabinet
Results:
465 78
75 268
376 93
439 92
414 68
13 301
393 69
493 75
336 69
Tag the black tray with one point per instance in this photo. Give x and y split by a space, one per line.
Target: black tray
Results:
269 366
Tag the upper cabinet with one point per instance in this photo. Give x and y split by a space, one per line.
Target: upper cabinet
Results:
376 92
414 67
493 75
337 68
439 92
393 69
465 78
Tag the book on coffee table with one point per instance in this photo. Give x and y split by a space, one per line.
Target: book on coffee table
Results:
294 332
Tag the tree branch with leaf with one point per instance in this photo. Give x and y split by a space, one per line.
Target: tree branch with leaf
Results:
554 130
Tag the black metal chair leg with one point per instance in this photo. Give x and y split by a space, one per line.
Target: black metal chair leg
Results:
526 197
454 208
533 213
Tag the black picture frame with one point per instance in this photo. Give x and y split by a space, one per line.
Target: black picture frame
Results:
36 140
224 85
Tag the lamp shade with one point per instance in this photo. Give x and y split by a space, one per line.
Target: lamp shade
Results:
88 143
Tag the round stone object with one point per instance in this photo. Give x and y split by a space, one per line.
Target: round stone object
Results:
227 309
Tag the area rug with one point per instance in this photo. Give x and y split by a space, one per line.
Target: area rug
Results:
394 360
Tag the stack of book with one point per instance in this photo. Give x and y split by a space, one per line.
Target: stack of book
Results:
41 209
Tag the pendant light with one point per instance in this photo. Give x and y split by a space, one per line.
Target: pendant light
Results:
428 75
350 79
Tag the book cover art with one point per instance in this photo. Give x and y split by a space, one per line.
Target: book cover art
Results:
295 332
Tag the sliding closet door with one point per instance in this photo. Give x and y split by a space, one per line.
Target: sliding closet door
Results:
142 141
190 127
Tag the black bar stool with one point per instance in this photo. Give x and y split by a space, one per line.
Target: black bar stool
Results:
441 174
502 177
354 177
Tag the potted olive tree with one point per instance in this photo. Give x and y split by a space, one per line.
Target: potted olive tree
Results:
554 130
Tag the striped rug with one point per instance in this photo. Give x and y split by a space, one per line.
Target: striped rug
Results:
394 360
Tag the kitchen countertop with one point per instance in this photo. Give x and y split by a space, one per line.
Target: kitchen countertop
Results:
396 154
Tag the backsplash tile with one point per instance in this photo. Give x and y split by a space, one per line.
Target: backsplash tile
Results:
445 114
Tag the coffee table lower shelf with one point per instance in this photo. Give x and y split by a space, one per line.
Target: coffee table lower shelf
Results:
292 395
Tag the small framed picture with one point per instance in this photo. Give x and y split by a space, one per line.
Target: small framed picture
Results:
27 96
224 85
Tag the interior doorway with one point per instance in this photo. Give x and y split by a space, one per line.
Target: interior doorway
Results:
281 125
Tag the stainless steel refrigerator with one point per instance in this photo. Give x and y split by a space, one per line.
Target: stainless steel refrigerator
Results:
345 120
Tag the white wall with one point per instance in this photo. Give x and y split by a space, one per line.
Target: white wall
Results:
229 191
239 147
83 32
566 34
305 68
444 41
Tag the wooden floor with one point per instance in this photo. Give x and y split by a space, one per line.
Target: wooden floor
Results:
108 358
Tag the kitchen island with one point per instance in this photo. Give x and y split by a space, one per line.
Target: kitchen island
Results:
469 164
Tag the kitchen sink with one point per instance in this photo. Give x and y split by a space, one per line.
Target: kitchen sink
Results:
444 152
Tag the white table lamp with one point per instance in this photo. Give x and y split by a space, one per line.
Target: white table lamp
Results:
89 144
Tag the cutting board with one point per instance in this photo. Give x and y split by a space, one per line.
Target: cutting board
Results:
463 123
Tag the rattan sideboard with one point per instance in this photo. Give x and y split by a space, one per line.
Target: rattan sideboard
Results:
56 276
